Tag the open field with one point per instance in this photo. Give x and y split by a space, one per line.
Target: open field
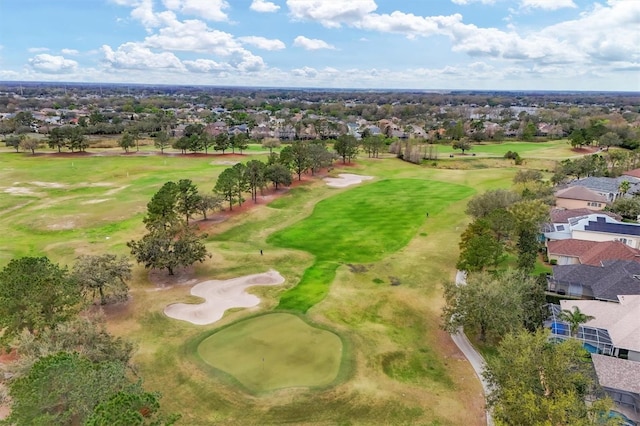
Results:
401 368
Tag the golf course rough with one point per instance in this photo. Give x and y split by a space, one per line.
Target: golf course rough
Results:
274 351
363 224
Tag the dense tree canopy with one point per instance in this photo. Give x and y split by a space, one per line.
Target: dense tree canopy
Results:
535 381
35 294
105 274
65 388
494 304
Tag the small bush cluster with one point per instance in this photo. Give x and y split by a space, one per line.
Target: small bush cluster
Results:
512 155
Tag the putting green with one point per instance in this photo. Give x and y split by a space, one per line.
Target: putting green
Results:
274 351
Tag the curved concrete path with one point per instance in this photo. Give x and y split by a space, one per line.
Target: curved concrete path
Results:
475 359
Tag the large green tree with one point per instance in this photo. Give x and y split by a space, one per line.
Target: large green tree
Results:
534 381
35 294
226 185
297 156
162 210
187 198
127 141
86 335
105 274
346 146
278 174
483 204
171 248
480 247
65 388
255 177
492 305
462 144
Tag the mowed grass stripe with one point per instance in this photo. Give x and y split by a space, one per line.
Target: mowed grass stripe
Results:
361 225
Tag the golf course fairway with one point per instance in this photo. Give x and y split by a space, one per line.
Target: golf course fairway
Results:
363 224
274 351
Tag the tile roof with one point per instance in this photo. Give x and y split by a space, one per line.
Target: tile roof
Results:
560 215
619 319
609 250
580 193
616 373
635 173
613 278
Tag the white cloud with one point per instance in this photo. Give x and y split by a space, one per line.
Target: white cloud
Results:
305 72
311 43
143 12
211 10
263 43
264 6
37 49
206 66
331 14
547 4
191 36
51 64
69 52
139 57
409 24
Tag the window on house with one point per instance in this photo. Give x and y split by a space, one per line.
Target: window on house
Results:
559 227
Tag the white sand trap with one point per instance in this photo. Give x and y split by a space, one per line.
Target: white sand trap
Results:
346 179
220 295
96 201
48 184
18 190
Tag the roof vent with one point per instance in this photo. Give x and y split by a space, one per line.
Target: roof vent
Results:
636 276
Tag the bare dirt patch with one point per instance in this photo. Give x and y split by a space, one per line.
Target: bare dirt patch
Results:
55 185
96 201
220 295
19 190
224 163
346 179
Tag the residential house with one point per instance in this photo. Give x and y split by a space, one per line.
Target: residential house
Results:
595 227
214 129
620 379
286 133
576 197
608 187
582 252
613 338
604 282
604 228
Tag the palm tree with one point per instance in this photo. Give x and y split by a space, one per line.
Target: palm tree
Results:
574 319
624 187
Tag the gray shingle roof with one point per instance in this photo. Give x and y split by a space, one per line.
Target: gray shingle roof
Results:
614 277
604 184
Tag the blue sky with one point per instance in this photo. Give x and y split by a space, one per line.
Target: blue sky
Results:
399 44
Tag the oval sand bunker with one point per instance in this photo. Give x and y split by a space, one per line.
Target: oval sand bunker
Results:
220 295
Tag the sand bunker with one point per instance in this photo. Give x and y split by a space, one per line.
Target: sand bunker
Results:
220 295
96 201
346 179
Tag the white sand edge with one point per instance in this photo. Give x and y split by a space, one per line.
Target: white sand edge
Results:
221 295
346 179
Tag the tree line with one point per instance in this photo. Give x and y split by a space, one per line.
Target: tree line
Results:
532 379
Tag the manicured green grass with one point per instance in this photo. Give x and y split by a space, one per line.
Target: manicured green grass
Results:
489 149
360 225
274 351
